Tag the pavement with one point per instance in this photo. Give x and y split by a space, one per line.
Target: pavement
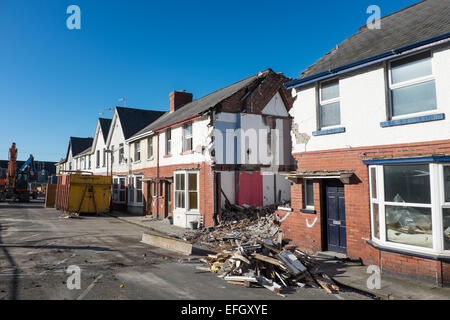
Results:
354 275
347 273
41 251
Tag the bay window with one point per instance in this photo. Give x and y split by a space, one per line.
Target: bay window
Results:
186 190
410 206
412 85
330 109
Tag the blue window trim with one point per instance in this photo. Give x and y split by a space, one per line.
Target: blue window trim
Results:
401 122
329 131
408 160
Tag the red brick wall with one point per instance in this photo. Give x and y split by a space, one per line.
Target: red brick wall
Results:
357 205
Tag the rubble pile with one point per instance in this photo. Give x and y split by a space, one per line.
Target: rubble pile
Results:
241 223
234 212
264 263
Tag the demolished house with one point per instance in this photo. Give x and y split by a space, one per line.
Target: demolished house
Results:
227 147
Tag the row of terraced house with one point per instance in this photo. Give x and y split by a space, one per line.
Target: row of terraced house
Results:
358 145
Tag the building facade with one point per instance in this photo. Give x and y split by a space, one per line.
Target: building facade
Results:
207 151
371 142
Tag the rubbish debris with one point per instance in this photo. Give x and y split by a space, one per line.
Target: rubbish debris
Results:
265 263
251 251
240 223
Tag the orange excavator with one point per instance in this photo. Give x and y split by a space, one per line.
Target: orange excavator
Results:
15 183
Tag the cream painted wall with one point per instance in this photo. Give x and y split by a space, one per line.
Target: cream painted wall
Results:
116 139
145 162
200 133
363 108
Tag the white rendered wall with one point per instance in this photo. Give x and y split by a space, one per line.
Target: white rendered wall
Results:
363 108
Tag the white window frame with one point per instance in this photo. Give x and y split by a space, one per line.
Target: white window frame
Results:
150 148
119 189
409 83
97 159
329 101
186 191
436 192
442 204
132 179
168 142
137 152
305 196
121 153
187 136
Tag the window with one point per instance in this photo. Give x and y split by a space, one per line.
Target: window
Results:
180 193
90 166
308 194
137 151
131 189
121 153
187 137
446 207
135 190
186 191
98 159
412 85
104 157
330 110
410 206
112 155
139 189
150 148
168 141
119 189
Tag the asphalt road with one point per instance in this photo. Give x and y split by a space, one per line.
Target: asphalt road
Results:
37 246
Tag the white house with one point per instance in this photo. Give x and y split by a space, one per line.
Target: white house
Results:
371 137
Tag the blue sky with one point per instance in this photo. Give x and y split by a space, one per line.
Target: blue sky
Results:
54 82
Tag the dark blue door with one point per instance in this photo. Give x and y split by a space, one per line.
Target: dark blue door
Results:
335 216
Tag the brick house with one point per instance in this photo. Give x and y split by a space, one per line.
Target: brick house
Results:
371 141
204 151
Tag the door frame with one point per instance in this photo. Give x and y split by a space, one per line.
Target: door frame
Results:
324 211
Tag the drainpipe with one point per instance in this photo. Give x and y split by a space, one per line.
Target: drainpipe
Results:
157 175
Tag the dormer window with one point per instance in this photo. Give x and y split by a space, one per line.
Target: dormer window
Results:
330 108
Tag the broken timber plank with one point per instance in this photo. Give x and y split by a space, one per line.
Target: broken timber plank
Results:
240 278
270 285
324 285
269 260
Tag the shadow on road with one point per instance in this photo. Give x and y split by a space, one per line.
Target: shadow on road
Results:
13 286
3 246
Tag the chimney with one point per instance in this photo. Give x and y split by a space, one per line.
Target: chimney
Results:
179 99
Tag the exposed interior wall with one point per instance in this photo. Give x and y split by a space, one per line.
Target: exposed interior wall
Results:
228 186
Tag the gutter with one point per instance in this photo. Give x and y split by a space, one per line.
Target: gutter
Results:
369 61
155 131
